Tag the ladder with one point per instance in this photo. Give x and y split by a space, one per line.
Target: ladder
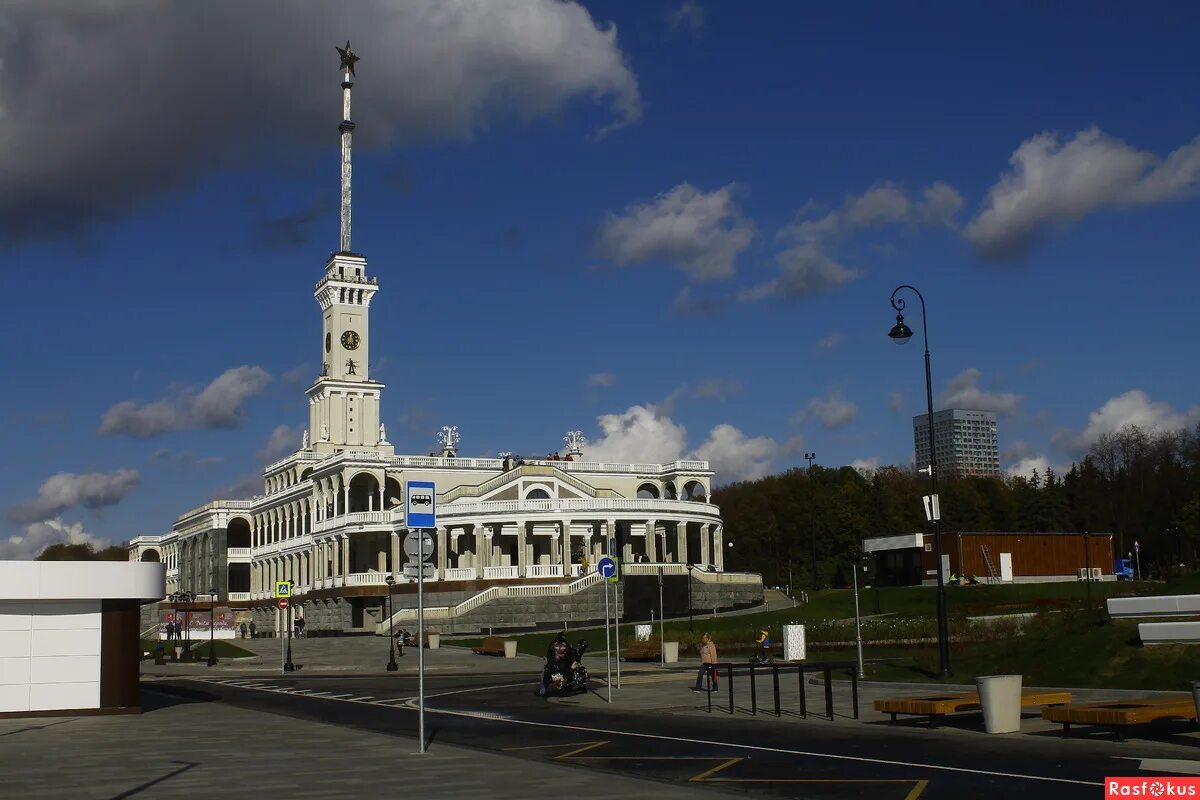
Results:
992 575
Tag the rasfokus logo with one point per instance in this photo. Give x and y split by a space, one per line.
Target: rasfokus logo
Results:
1151 787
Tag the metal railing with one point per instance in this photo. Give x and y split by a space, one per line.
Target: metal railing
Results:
773 670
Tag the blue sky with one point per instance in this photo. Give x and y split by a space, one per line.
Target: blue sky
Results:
673 225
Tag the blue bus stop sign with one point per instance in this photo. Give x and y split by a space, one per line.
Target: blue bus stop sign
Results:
420 510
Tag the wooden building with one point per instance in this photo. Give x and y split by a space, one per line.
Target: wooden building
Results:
993 556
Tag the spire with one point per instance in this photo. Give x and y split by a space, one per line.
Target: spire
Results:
346 128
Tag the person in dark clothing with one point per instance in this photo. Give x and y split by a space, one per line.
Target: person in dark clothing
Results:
560 655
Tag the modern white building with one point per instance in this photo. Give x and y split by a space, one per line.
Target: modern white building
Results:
965 441
331 520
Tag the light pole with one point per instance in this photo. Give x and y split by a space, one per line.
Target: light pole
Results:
812 532
392 666
855 560
288 666
691 627
900 334
212 624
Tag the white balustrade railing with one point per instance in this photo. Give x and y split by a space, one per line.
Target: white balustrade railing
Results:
459 574
545 571
478 600
501 572
607 505
652 569
237 596
576 570
359 518
533 591
366 578
237 552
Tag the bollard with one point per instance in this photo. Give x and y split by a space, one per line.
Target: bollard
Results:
775 679
708 674
731 688
753 694
803 699
829 692
854 690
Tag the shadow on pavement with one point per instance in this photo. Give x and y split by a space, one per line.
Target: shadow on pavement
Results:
158 696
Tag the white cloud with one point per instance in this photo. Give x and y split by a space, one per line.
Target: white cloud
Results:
282 441
896 402
882 205
430 69
217 405
689 14
1053 184
639 435
67 490
736 457
866 466
243 488
643 434
1131 408
962 391
833 411
1024 468
829 342
804 270
701 233
601 380
40 535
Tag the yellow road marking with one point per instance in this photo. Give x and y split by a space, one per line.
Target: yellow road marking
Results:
916 790
704 775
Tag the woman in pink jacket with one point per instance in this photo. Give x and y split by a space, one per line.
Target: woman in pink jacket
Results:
708 663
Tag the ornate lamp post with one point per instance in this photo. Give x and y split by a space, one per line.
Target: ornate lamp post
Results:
900 334
212 624
392 666
288 666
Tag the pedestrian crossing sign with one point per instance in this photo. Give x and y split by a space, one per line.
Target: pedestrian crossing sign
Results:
283 588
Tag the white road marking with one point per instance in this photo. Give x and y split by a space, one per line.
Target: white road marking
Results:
359 699
1171 766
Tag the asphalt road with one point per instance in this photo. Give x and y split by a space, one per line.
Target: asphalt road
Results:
500 713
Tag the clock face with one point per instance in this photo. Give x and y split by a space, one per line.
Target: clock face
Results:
350 340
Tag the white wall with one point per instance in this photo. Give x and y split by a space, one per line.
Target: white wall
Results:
49 655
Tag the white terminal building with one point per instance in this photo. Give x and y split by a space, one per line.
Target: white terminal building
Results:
331 516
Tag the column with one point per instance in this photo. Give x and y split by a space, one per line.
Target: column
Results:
652 540
705 550
345 498
566 547
395 552
681 554
442 546
610 535
483 544
719 547
521 556
345 560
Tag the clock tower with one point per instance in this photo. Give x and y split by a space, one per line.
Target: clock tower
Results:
344 402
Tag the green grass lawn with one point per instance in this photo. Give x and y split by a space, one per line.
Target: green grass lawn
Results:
224 648
1072 647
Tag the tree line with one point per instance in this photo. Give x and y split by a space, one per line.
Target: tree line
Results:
801 527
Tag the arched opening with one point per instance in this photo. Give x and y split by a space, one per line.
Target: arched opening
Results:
364 493
537 494
647 491
671 494
304 475
393 495
238 533
151 555
694 490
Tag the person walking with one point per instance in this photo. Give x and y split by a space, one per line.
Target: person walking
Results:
243 630
253 630
708 663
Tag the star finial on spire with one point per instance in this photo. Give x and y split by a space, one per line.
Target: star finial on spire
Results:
347 56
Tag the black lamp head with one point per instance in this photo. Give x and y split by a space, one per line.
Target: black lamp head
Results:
900 332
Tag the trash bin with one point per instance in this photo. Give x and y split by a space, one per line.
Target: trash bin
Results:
794 643
670 652
1000 697
435 640
510 648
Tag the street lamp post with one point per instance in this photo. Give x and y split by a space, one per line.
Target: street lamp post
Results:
900 334
691 627
288 666
212 624
392 666
812 531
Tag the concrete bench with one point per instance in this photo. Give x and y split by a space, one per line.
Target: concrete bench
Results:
492 646
1178 605
1168 632
1118 714
939 705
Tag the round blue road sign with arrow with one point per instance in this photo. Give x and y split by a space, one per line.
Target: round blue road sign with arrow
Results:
606 567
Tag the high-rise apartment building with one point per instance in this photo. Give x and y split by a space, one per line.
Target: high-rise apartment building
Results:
965 441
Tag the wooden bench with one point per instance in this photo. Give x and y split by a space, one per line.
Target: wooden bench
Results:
492 646
642 651
1117 714
938 705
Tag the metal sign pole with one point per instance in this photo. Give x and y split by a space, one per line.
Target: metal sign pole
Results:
662 625
607 648
857 620
617 624
282 645
421 645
